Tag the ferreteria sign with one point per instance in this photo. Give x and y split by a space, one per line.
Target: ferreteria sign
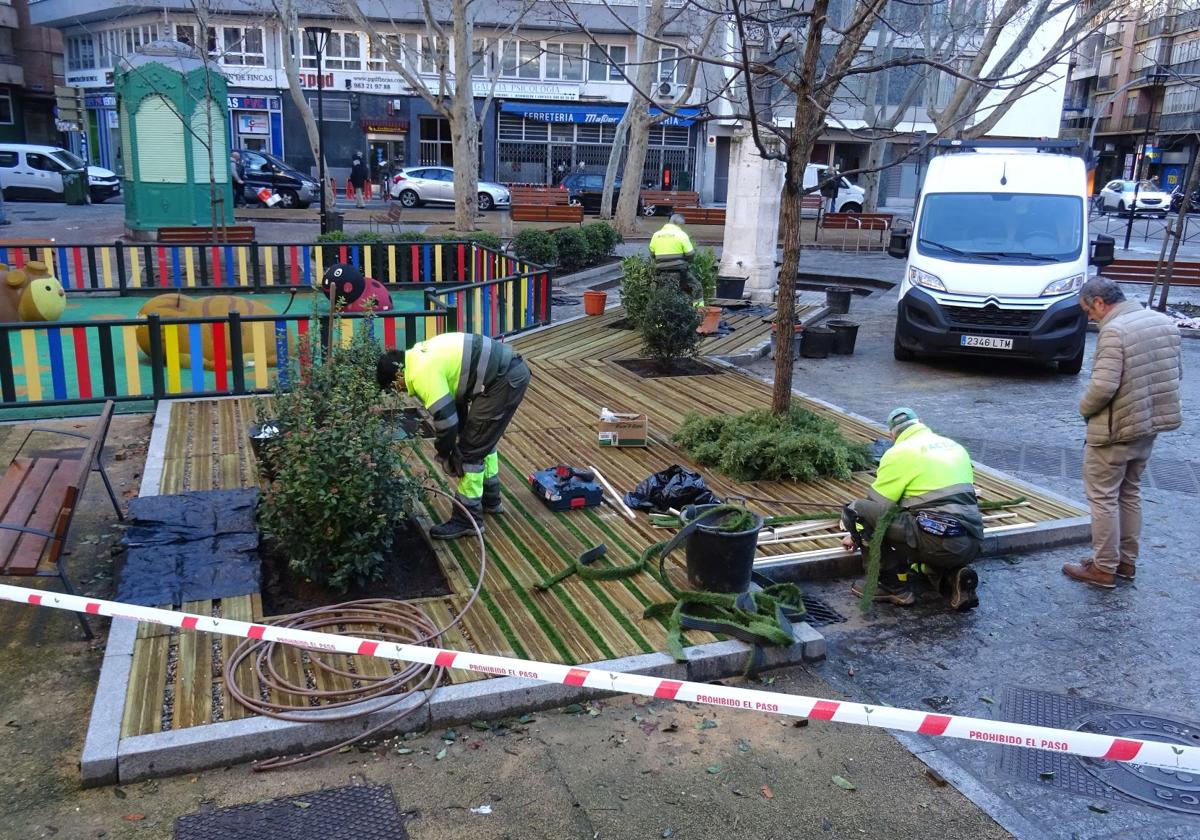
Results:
588 114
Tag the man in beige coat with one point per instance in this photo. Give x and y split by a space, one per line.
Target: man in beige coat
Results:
1133 395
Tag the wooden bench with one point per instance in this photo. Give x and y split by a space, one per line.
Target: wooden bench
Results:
881 222
391 218
231 235
670 200
1142 271
544 204
702 215
38 499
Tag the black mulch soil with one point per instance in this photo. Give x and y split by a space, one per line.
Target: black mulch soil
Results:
412 572
654 369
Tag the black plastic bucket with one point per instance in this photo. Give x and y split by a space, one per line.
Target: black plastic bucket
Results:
720 561
816 342
731 288
844 335
799 328
261 437
837 299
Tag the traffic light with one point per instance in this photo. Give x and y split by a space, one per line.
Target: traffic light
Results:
70 109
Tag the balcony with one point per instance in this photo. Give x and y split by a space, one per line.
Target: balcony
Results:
1111 42
1106 83
1139 122
1085 69
11 73
1188 121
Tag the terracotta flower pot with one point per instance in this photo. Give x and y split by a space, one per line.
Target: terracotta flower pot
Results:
593 302
712 320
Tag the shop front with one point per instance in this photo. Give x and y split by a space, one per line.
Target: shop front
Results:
103 145
541 142
256 123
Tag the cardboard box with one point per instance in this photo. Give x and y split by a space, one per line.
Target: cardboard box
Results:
625 430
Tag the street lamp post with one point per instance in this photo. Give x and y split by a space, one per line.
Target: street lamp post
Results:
320 36
1154 79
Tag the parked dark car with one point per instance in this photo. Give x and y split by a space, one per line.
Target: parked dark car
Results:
588 190
1177 200
294 188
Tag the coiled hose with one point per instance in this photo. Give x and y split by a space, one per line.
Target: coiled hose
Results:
399 690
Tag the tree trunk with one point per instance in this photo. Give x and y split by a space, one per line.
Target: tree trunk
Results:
785 301
614 163
464 125
638 116
287 12
871 180
1180 224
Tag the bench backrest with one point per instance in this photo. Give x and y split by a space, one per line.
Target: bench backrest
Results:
676 198
240 234
539 195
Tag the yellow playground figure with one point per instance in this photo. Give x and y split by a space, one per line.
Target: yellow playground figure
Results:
31 293
175 305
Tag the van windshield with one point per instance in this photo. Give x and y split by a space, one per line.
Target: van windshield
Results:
1001 227
68 159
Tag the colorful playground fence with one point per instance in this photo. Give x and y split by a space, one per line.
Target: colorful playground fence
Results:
63 363
131 267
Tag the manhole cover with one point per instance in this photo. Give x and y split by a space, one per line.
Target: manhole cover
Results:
818 613
365 812
1173 789
1098 779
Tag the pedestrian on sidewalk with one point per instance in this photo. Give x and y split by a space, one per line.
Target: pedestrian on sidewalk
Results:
237 173
1132 396
358 179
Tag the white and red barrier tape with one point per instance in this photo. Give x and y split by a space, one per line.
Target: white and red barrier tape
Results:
1086 744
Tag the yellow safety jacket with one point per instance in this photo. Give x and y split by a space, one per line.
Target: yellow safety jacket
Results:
670 242
925 471
449 370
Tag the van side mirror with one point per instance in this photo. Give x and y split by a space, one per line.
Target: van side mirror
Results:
899 242
1104 250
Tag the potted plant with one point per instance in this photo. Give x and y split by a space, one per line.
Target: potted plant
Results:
704 269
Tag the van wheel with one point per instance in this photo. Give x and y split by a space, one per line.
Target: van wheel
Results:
900 352
852 207
1073 365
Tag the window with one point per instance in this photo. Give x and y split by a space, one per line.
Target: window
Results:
521 60
599 68
565 62
1131 106
115 43
343 51
336 110
81 52
8 160
185 34
6 109
43 163
381 47
243 46
668 60
1047 226
481 58
434 56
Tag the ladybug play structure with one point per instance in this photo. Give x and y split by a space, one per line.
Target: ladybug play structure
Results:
354 292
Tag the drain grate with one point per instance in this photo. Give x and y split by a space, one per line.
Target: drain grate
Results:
1098 779
366 812
818 613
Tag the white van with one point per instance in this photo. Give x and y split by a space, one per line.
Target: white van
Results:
35 173
849 198
997 253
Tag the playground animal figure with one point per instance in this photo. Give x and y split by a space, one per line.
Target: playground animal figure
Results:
356 293
31 293
175 305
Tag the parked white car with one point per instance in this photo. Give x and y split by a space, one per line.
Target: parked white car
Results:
417 185
1118 196
849 198
35 172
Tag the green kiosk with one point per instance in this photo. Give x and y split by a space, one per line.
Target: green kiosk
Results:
173 115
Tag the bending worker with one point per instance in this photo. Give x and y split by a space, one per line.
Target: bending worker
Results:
673 253
938 529
472 386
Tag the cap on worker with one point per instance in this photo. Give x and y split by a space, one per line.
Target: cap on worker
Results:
901 418
389 367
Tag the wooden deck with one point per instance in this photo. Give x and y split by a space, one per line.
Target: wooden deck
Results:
574 375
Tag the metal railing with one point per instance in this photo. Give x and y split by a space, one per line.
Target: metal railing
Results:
154 357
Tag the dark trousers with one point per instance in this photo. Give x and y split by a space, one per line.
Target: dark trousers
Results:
486 420
905 543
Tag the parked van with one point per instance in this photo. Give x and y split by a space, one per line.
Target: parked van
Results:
294 188
35 173
849 197
996 255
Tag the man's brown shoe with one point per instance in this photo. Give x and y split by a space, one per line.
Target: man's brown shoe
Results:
1089 572
1126 570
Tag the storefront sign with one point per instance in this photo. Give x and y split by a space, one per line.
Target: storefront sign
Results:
94 78
253 124
253 103
385 126
100 100
370 82
265 77
529 90
591 114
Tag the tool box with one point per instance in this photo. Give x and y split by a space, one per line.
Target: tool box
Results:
566 488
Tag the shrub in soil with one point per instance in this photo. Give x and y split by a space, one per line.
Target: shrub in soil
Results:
340 493
603 239
668 325
705 267
758 445
536 246
637 283
574 251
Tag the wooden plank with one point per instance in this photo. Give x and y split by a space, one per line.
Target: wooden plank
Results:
51 515
240 608
193 673
147 675
14 477
20 509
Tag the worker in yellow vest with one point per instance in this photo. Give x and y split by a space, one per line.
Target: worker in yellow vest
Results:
673 253
472 385
938 530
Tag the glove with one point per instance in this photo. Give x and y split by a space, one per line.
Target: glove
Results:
451 464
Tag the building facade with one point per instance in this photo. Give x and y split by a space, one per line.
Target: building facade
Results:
31 64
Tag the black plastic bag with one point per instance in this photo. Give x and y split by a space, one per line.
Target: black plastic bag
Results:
675 487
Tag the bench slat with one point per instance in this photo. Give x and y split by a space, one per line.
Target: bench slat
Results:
35 478
48 516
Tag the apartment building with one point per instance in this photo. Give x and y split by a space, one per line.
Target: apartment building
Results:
30 67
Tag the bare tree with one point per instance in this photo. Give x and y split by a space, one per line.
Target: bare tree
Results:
293 49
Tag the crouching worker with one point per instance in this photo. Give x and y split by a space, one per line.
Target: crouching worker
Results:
938 529
472 386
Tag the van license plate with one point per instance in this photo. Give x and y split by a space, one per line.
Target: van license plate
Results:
986 342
